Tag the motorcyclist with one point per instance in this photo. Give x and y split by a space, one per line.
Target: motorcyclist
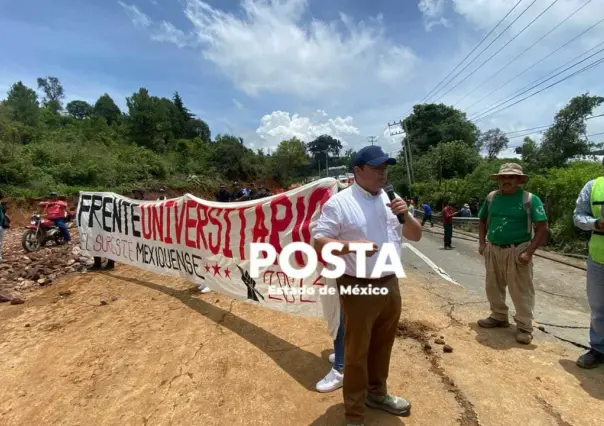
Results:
55 210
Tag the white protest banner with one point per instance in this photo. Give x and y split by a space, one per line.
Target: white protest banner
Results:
207 242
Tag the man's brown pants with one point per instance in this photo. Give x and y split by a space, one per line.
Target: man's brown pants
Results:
505 270
370 324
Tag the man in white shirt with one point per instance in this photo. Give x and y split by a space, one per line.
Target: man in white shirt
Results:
363 213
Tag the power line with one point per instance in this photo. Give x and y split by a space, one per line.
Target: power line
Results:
493 110
586 68
500 49
469 54
500 34
537 63
524 51
545 127
520 91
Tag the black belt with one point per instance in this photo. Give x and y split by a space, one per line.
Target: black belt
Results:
509 245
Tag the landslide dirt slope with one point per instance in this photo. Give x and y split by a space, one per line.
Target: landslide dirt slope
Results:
132 348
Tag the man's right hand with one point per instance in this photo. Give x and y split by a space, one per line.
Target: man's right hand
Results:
481 248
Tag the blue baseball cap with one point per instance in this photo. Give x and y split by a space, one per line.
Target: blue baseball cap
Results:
372 155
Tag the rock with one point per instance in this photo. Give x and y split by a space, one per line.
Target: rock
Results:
113 299
65 293
42 281
448 348
26 259
26 284
439 341
70 262
434 335
28 325
5 297
541 328
69 269
442 337
52 277
427 347
104 302
17 301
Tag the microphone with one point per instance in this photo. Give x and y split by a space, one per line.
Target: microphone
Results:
390 191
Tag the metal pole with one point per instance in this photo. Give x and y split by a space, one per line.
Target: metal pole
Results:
407 164
408 141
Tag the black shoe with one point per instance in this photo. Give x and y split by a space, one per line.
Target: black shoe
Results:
110 265
590 359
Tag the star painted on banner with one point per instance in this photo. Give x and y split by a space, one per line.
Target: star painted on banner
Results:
208 268
216 269
227 273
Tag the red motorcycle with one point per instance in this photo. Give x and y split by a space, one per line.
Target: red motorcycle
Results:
41 230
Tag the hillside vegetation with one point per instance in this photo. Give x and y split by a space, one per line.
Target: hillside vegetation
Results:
48 146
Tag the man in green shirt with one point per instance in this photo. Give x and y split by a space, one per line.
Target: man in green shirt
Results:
506 220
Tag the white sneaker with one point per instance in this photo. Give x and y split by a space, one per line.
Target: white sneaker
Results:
332 358
334 380
204 289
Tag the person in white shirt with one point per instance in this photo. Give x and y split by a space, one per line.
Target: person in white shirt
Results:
364 213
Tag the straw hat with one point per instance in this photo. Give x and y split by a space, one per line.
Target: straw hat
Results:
510 169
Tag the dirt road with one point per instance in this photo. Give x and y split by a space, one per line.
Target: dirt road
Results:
133 348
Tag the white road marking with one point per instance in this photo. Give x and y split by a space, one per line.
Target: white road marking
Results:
440 271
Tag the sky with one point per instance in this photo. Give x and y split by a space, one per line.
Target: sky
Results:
268 70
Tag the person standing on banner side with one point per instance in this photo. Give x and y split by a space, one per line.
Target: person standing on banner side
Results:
448 215
162 194
223 195
364 213
588 216
506 220
4 222
335 377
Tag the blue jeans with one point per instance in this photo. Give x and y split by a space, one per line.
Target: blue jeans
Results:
338 345
63 228
595 298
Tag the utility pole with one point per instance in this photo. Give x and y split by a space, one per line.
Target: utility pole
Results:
407 139
395 133
371 139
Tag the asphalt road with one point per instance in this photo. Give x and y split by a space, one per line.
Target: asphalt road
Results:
561 302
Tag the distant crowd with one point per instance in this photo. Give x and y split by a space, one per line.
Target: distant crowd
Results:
241 193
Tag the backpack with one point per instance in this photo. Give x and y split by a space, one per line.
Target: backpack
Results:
527 200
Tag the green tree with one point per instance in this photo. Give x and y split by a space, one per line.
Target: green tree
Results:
447 160
566 138
321 147
23 105
53 93
291 159
79 109
529 152
149 120
431 124
197 128
106 108
494 141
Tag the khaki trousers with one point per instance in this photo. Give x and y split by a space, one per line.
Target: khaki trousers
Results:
503 269
370 325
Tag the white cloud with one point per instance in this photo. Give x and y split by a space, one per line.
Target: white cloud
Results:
169 33
433 11
280 125
138 18
271 49
238 104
